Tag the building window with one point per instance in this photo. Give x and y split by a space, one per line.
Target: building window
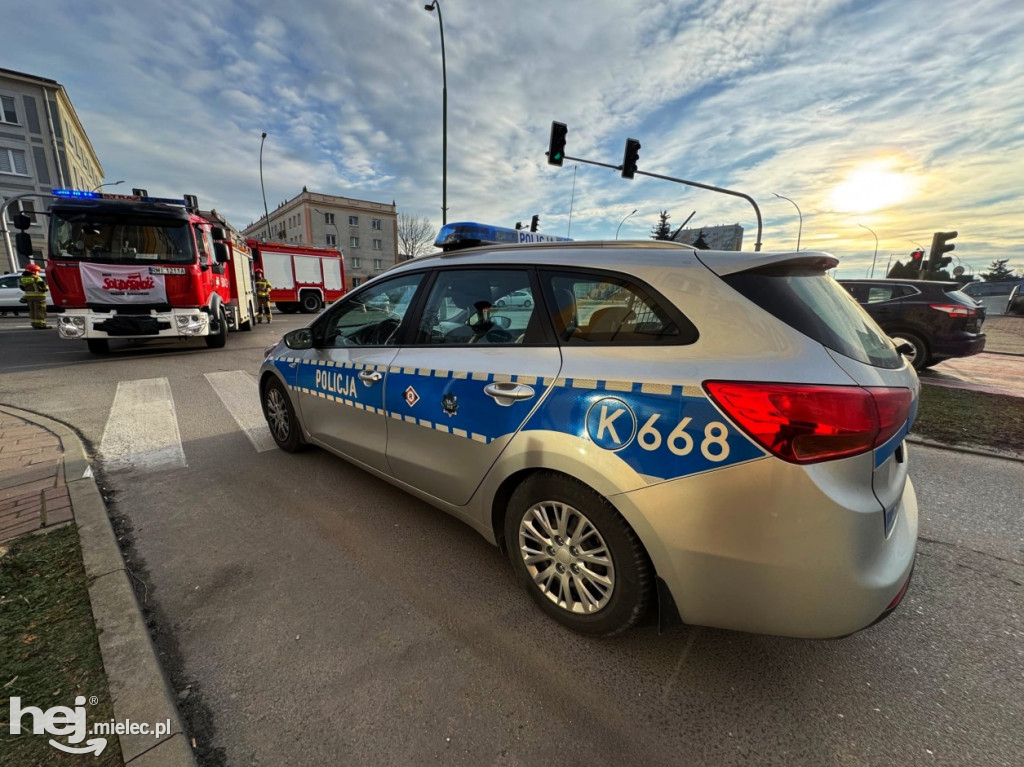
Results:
328 218
355 262
332 239
13 161
353 220
378 245
378 263
353 242
375 223
7 112
356 282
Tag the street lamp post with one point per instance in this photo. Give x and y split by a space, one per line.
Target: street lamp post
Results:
444 117
109 183
876 248
800 229
621 223
266 214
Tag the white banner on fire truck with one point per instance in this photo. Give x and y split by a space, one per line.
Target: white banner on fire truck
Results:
118 284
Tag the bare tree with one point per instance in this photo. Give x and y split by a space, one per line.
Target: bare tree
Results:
415 236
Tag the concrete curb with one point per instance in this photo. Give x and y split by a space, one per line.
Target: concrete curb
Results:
966 450
139 691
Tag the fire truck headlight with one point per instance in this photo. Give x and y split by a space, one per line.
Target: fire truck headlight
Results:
192 324
71 327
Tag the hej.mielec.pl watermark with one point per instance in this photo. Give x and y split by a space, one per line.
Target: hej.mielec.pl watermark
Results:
62 721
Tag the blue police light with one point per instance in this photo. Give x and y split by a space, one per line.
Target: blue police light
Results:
76 194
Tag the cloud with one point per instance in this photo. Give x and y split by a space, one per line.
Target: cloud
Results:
753 95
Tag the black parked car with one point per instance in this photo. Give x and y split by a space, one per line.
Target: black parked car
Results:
935 319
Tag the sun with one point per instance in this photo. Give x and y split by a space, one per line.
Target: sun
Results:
872 186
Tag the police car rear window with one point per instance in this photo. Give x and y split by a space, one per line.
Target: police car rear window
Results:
605 309
816 305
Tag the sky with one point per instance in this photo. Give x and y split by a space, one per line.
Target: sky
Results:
895 118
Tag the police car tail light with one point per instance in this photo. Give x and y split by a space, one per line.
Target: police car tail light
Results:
808 423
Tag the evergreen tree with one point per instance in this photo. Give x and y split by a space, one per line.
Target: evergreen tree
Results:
998 270
901 271
662 231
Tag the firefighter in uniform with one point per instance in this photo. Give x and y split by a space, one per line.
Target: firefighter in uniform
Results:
35 289
263 288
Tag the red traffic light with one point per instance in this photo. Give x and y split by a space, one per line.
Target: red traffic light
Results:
917 255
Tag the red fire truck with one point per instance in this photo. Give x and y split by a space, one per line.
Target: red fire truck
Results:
140 267
302 277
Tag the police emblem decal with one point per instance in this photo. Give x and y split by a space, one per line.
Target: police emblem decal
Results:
450 404
410 396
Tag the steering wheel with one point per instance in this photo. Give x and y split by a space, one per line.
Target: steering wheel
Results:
498 335
384 331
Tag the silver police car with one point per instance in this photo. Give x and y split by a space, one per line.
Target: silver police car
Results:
714 436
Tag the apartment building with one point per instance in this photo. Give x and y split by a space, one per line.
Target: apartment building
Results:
43 146
366 232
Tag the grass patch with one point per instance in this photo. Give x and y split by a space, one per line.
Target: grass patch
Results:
50 651
971 419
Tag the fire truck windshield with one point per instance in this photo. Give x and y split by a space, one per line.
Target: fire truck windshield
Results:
113 240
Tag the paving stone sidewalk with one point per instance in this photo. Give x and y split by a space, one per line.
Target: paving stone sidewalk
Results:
46 480
33 494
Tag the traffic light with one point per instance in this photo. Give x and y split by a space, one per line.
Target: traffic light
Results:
917 260
22 240
940 244
630 157
556 147
534 223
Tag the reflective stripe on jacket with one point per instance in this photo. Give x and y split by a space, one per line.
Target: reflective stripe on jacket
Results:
33 285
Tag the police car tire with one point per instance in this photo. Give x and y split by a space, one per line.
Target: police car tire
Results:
287 433
633 572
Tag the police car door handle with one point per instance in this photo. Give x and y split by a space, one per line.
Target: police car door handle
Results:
507 393
369 377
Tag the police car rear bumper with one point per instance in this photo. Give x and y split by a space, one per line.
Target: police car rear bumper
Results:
787 559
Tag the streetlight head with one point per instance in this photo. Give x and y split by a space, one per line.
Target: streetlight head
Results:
264 134
430 7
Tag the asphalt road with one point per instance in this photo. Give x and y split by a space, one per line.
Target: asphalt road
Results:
310 614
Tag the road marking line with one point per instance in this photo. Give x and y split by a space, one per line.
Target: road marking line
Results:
240 395
142 428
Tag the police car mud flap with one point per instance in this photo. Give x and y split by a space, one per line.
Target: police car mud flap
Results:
661 431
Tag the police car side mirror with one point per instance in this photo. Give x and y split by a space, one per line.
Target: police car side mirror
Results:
302 338
905 349
502 321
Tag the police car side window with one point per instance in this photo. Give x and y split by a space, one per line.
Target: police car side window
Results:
370 317
484 307
599 309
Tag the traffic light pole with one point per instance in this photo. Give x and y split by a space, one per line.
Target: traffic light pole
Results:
747 197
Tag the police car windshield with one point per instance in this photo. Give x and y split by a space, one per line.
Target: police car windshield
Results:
107 240
813 303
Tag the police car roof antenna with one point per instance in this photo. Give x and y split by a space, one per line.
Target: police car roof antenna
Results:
747 197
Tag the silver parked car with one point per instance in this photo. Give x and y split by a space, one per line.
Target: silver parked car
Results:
717 436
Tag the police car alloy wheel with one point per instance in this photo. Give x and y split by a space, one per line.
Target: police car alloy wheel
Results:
580 561
280 415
